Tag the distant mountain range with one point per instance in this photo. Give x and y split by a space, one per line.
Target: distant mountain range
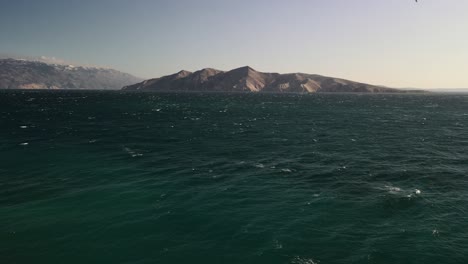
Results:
26 74
37 74
246 79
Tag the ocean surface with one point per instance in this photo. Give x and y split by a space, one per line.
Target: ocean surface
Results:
114 177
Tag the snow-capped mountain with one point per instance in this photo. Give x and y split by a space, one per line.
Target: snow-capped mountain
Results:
27 74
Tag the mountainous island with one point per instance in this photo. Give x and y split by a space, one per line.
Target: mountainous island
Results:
26 74
246 79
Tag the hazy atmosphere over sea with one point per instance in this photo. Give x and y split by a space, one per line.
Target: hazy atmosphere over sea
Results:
121 177
393 43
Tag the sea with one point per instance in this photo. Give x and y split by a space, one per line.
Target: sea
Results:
141 177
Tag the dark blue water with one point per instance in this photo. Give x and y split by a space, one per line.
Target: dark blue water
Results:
111 177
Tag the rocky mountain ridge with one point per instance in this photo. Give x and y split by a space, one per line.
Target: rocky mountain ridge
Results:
25 74
246 79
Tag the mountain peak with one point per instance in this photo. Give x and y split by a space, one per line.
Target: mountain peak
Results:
244 69
183 73
209 71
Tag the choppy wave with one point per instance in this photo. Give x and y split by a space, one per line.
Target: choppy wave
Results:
115 177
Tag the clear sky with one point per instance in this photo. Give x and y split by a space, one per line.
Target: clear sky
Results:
396 43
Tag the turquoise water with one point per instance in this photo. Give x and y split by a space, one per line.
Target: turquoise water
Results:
111 177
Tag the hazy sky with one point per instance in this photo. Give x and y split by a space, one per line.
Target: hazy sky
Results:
396 43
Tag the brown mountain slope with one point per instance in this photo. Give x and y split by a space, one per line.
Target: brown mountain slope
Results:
246 79
243 79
